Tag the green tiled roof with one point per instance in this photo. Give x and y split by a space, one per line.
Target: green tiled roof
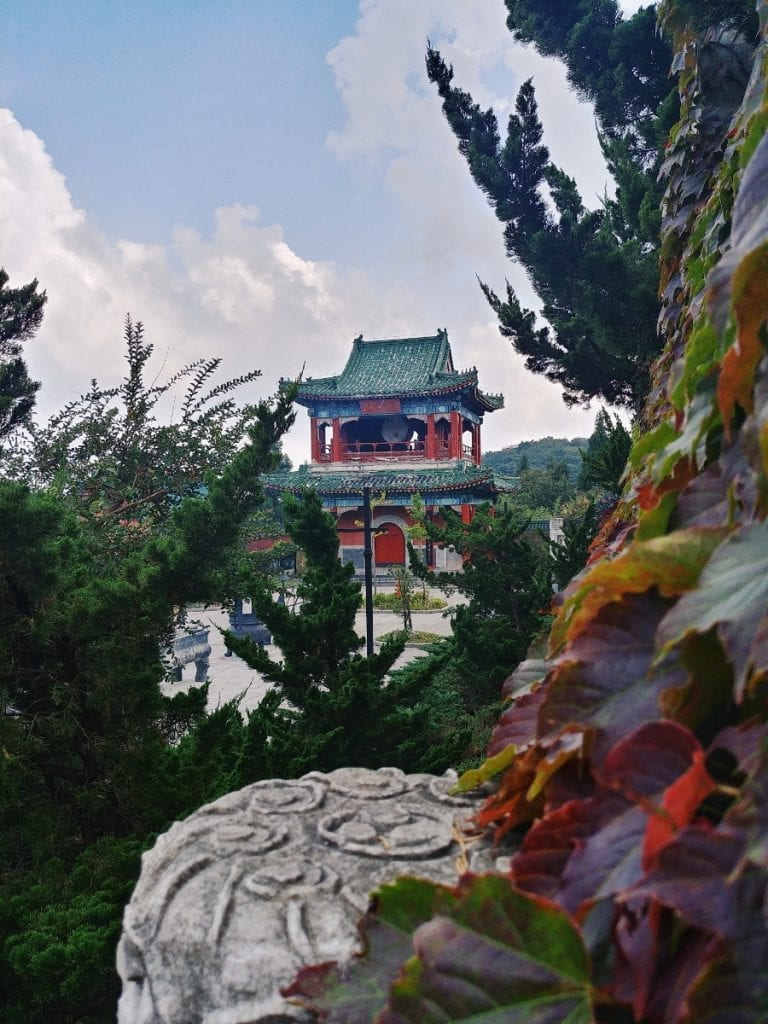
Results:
396 366
397 481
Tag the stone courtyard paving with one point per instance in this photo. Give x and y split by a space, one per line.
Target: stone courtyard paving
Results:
231 677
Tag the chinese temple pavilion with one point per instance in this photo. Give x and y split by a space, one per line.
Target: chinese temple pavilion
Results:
401 420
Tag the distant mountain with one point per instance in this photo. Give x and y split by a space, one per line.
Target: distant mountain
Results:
538 453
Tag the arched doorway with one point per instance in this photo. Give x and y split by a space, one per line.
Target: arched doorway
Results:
389 545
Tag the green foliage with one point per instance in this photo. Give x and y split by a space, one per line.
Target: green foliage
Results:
94 758
633 758
506 581
605 458
110 456
484 952
537 455
21 312
65 925
541 493
595 271
341 709
570 556
403 594
419 602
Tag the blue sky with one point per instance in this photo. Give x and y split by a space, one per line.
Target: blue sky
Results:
262 180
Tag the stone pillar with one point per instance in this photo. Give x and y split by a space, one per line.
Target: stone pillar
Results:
232 902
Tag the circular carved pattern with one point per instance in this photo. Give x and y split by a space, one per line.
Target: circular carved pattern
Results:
386 832
294 878
278 796
368 784
249 838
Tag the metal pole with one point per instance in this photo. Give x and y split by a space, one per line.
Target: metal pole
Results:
368 562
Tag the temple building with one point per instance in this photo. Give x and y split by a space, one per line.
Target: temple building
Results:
401 420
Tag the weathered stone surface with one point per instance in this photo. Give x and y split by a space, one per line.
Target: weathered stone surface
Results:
234 900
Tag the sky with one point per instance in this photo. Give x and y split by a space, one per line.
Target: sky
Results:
263 180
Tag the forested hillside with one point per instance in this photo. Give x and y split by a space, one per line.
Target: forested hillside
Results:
538 455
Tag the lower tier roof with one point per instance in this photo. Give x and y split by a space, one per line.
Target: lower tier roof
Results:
454 479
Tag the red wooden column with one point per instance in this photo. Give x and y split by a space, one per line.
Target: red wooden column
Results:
336 441
476 452
314 440
466 513
455 435
430 449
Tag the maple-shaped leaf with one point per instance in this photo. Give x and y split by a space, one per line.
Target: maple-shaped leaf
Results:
658 970
548 845
518 723
660 766
497 955
606 682
732 597
719 492
671 564
509 805
702 876
651 784
739 284
527 674
606 856
352 993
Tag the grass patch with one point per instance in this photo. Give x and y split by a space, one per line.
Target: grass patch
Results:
418 636
419 603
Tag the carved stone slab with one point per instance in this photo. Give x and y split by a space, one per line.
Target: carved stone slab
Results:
234 900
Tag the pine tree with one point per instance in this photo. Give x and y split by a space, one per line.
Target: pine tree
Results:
605 457
91 761
339 710
21 312
506 580
596 271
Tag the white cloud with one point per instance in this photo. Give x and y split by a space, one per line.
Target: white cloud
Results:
244 292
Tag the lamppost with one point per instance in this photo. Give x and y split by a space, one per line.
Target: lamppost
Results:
368 565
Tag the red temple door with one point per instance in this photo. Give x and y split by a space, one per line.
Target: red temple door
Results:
389 545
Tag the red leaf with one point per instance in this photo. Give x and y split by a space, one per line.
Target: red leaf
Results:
592 849
518 723
549 844
605 682
524 678
696 877
679 804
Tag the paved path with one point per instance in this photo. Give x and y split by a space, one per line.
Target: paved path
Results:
231 677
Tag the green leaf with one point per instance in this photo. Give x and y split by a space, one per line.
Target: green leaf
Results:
732 597
672 564
352 993
498 956
490 768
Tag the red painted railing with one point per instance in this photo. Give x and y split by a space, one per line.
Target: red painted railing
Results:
372 451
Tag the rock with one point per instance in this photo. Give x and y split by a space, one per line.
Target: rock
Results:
234 900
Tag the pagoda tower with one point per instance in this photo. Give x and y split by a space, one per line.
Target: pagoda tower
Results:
401 420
